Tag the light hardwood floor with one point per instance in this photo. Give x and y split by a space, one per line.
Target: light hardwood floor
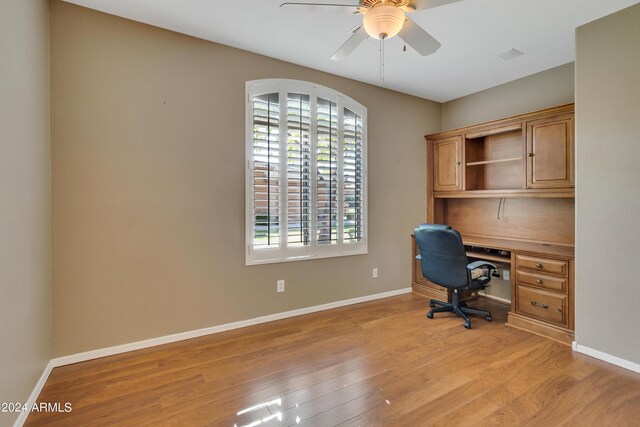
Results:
381 363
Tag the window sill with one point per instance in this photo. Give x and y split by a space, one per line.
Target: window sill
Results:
360 251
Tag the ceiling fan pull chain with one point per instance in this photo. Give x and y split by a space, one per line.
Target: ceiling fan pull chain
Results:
382 37
380 53
404 38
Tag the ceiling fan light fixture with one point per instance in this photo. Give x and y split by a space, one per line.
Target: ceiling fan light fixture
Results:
383 21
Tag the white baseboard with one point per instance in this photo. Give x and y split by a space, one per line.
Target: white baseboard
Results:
109 351
34 394
614 360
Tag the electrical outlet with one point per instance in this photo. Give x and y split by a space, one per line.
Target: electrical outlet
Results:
374 273
280 286
506 274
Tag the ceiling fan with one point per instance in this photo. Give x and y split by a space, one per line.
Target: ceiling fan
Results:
383 19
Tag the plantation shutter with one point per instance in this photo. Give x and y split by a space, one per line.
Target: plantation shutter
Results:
327 172
266 171
353 177
298 169
306 172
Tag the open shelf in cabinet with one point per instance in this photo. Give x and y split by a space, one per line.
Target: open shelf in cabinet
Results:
495 161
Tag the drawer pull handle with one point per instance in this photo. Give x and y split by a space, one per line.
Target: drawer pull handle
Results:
538 265
538 281
537 304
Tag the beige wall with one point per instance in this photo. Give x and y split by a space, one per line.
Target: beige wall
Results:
25 278
148 185
535 92
608 190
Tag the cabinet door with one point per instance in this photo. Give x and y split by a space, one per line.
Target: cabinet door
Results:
447 157
550 152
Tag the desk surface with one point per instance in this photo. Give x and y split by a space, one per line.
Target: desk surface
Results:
519 245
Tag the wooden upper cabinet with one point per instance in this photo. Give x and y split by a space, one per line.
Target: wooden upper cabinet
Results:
447 160
550 152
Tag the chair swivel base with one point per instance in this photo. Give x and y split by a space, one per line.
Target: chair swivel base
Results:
461 309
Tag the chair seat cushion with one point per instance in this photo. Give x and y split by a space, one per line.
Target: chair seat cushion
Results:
478 273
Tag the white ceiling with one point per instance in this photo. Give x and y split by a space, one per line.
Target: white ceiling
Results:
472 33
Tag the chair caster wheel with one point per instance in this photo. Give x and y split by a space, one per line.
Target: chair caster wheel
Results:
430 314
467 325
432 304
488 318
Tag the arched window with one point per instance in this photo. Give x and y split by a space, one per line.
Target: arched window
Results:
306 180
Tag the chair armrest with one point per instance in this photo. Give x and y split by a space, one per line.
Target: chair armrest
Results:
480 263
480 282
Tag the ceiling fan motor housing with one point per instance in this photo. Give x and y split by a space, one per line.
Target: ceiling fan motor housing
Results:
383 20
371 3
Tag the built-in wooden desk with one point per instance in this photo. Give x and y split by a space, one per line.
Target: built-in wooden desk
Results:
508 187
519 245
541 277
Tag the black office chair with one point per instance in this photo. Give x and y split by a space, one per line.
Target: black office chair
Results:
444 262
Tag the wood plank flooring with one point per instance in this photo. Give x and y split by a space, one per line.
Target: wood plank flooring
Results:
381 363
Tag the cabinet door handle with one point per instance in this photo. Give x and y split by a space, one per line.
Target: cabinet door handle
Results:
530 154
537 304
458 163
538 265
539 282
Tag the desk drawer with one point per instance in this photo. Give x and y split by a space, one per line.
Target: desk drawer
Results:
545 265
548 306
541 281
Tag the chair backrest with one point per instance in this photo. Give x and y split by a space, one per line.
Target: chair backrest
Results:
444 260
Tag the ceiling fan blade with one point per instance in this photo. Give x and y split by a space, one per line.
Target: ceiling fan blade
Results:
352 42
418 38
430 4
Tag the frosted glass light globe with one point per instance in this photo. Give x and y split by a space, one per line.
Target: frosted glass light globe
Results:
384 21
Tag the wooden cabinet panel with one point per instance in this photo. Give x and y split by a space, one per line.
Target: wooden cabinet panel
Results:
545 265
533 219
541 281
550 152
447 159
547 306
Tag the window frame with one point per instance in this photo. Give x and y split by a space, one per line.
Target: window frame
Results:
285 253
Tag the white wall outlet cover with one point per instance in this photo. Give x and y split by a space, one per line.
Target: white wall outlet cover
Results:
374 273
280 285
